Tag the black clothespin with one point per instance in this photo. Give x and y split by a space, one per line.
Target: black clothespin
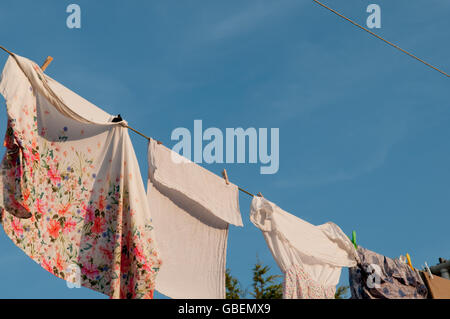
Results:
118 118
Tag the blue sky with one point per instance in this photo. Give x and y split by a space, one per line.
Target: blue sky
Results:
364 134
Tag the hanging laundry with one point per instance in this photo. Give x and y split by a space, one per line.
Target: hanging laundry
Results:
72 195
380 277
310 256
191 210
438 287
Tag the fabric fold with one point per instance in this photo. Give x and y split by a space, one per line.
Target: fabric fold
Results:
74 174
62 99
195 183
191 210
379 277
310 256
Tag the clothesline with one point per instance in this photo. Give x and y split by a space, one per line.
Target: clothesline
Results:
340 15
311 257
335 12
148 138
382 39
137 132
6 50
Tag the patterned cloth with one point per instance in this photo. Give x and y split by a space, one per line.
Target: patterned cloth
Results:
72 198
380 277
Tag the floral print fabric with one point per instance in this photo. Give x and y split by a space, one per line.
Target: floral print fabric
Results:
73 199
380 277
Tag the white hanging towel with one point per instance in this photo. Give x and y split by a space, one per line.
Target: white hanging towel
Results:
310 256
191 210
72 196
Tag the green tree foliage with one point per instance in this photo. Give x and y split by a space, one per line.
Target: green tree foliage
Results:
265 286
233 286
341 292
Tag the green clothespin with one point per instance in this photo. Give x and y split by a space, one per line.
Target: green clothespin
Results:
354 239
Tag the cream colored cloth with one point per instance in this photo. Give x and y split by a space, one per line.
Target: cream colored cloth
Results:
310 256
72 195
191 210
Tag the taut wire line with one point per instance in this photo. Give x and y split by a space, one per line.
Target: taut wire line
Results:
244 191
148 138
9 52
136 131
382 39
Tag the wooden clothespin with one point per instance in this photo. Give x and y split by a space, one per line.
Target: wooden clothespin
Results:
354 239
46 63
428 270
408 258
259 194
225 176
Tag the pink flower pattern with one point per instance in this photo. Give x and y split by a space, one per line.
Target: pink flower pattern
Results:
69 221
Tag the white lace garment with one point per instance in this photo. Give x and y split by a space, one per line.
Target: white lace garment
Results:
310 256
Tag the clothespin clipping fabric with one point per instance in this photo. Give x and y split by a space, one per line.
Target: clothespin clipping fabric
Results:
428 270
225 176
117 119
46 63
354 239
408 258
